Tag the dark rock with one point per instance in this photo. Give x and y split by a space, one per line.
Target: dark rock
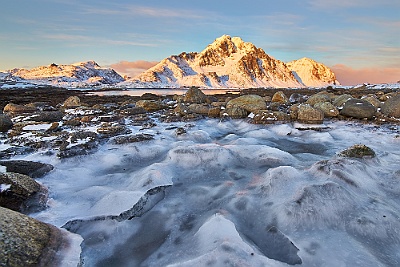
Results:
391 107
195 95
308 114
5 123
149 96
24 193
250 103
180 131
358 108
296 98
30 168
126 139
47 116
358 151
14 151
25 241
80 143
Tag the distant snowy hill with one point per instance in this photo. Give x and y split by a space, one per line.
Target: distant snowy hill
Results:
80 74
312 73
230 63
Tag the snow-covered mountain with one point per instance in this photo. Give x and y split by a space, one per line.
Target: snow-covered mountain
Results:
312 73
227 62
80 74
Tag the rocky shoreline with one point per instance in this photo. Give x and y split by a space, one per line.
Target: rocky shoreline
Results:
68 123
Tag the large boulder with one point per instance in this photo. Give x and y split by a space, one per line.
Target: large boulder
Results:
251 103
5 123
327 108
358 108
340 100
25 241
280 97
391 107
195 95
309 114
20 192
318 98
30 168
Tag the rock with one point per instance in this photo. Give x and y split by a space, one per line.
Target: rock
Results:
22 193
358 151
72 102
30 168
250 103
126 139
180 131
280 97
308 114
327 108
358 108
181 109
296 98
150 105
195 95
25 241
374 101
78 143
266 116
214 112
340 100
14 108
132 111
391 107
234 112
47 116
109 129
318 98
199 109
5 123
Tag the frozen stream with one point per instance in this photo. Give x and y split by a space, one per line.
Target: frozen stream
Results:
233 194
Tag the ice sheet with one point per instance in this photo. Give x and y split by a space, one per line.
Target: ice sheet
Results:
232 193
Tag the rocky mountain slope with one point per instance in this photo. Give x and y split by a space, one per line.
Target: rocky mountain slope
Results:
312 73
230 62
80 74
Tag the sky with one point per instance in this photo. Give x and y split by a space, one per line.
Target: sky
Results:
358 39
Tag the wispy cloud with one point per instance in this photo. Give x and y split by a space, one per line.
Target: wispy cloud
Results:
340 4
147 11
132 68
351 76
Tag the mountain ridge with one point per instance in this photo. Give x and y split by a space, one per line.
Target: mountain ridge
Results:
230 62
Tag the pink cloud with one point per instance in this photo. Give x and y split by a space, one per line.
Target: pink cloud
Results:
350 76
132 68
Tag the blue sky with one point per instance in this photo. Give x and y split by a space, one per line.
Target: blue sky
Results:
356 37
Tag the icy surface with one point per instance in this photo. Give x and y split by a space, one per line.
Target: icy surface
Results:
233 194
